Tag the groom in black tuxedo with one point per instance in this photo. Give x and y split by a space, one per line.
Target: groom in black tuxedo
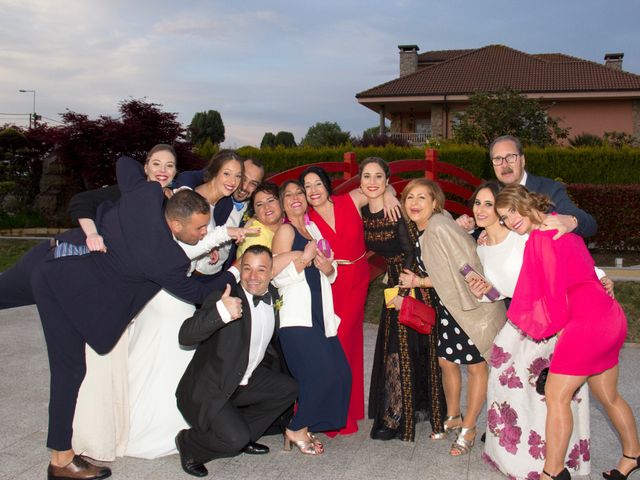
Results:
233 389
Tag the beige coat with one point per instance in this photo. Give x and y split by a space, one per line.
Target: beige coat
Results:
445 248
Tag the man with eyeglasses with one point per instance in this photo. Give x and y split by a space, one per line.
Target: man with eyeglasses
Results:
508 164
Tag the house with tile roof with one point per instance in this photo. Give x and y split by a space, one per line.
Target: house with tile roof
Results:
587 97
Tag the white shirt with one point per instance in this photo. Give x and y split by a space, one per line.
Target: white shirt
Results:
263 322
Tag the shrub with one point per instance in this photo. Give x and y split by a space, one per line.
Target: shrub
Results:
615 209
586 140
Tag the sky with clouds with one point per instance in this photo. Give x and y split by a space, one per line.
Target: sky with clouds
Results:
269 65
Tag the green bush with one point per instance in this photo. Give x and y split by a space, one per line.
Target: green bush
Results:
596 165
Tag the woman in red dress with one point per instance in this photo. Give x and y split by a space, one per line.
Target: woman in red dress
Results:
338 218
339 221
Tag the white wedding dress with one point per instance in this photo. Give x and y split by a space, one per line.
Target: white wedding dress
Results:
127 404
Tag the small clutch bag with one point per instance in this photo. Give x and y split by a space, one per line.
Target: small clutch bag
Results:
391 293
417 315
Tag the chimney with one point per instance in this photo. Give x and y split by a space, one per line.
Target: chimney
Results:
613 60
408 59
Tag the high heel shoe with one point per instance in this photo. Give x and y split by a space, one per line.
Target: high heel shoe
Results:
615 474
562 475
308 447
463 446
315 441
447 428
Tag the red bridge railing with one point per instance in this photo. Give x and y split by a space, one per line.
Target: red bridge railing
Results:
344 177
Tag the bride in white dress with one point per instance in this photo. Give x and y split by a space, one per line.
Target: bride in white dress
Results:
127 405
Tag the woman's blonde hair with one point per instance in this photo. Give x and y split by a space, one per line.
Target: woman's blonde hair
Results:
526 203
434 190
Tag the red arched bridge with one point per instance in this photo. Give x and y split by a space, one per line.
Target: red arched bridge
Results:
344 176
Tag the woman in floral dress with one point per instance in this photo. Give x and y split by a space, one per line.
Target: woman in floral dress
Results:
516 414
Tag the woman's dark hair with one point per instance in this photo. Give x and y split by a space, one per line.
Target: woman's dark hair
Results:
492 185
161 147
265 187
378 161
219 160
324 178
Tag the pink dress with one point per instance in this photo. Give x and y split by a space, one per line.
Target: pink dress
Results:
349 293
559 290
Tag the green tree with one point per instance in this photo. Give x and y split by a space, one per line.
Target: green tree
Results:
490 115
268 140
325 134
206 125
374 131
206 149
286 139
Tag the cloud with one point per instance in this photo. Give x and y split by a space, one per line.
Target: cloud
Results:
266 66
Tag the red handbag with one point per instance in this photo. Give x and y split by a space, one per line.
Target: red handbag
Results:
415 314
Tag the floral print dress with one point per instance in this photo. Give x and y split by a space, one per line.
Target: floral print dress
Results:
516 413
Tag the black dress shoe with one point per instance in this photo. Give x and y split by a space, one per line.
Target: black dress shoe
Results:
384 433
78 469
253 448
189 465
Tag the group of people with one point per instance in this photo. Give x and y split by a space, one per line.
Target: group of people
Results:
198 318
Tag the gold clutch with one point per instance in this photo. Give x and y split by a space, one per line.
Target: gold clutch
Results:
391 293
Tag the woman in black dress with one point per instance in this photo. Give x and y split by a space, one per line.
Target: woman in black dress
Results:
406 382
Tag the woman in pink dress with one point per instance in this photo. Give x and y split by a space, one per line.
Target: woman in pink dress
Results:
558 292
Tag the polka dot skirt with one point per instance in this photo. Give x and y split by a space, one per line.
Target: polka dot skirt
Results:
453 344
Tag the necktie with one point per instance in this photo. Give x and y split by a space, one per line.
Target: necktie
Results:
266 298
237 205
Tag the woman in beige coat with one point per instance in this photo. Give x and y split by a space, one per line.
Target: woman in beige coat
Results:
467 327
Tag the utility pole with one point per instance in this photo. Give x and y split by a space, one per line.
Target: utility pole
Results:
33 115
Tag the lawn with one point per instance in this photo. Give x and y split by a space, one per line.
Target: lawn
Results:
627 293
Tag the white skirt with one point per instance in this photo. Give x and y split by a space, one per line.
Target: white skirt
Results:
516 413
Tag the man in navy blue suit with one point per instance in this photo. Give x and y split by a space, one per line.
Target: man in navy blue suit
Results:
508 162
90 299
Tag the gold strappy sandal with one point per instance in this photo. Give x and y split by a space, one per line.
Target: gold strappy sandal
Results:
462 446
447 428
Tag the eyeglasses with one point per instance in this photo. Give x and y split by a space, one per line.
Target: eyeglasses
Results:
509 158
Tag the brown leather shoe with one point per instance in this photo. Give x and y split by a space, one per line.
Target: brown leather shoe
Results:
78 469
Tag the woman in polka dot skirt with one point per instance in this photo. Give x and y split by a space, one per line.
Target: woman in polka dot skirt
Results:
467 327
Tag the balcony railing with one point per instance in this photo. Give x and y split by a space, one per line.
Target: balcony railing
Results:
416 138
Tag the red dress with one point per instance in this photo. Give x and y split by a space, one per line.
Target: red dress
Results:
349 293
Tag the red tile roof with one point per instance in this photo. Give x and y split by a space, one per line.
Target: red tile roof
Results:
495 67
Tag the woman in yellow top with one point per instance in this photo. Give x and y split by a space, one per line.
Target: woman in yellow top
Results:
267 216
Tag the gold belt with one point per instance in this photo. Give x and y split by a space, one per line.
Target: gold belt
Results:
351 262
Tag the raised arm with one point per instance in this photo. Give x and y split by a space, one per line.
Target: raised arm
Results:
83 209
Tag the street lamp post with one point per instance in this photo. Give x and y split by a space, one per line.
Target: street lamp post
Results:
34 106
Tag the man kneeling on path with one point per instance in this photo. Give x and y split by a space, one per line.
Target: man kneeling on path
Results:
233 389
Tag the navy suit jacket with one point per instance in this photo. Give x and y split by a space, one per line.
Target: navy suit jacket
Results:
221 357
101 292
587 226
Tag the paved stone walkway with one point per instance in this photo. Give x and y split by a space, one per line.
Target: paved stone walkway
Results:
23 419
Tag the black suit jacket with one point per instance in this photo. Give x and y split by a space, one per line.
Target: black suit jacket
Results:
587 226
221 357
101 292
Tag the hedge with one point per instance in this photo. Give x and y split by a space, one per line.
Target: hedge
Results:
615 208
596 165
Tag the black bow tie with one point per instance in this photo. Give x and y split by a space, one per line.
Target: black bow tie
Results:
266 298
